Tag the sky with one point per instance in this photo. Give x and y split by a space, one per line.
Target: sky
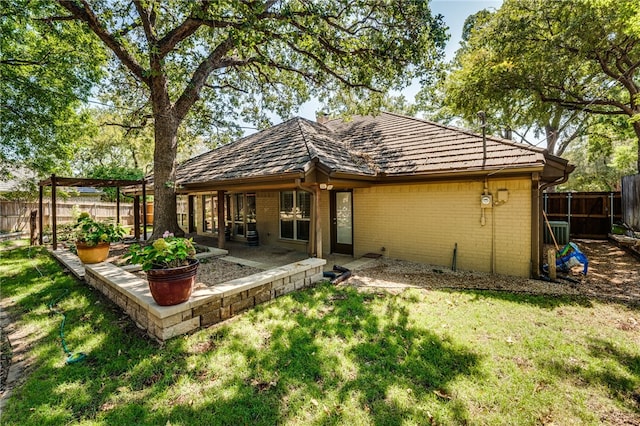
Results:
455 12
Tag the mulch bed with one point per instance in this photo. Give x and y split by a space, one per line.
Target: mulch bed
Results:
613 275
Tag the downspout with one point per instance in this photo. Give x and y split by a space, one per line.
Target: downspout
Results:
315 249
535 270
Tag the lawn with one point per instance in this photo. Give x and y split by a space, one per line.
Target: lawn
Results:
326 355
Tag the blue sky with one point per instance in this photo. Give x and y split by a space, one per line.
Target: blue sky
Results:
455 12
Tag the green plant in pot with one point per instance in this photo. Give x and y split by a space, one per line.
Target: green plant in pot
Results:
93 238
170 266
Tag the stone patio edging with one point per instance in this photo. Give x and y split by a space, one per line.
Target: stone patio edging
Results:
206 306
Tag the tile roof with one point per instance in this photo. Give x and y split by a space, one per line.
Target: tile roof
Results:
401 145
385 145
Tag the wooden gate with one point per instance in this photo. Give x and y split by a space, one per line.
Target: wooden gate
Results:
589 214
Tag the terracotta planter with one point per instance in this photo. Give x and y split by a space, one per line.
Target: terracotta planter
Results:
174 285
93 254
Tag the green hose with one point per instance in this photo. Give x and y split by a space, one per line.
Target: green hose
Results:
71 357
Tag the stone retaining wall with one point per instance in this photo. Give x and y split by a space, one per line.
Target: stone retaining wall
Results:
206 306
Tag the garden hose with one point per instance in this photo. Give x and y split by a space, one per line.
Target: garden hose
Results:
71 357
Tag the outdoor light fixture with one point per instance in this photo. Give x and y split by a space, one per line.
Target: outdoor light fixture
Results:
329 187
323 186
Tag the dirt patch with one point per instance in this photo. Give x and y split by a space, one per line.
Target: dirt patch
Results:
612 271
613 275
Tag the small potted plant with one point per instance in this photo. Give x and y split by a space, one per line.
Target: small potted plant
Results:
170 266
93 238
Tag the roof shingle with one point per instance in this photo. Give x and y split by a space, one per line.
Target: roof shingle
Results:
387 144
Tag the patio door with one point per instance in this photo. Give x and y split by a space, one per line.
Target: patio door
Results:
341 212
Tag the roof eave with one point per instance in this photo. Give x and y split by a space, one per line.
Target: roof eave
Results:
223 184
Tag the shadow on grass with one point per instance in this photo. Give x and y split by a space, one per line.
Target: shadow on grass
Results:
609 366
302 365
352 352
544 301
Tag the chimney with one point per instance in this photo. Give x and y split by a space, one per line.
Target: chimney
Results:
322 117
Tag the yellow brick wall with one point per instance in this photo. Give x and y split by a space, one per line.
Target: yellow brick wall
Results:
423 222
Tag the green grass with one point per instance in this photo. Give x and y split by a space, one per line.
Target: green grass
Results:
327 355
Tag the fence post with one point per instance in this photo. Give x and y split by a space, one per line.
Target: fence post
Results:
611 208
117 204
54 218
569 212
40 210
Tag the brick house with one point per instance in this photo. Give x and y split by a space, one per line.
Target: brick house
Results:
393 185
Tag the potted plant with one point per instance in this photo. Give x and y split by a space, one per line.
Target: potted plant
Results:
93 238
170 266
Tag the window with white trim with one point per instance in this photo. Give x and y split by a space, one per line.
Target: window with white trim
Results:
295 215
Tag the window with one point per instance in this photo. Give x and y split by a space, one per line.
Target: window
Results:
210 213
182 211
295 215
241 213
238 217
207 214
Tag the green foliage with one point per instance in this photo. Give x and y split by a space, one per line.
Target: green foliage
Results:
92 232
550 64
602 157
325 355
164 253
237 61
113 172
46 68
115 141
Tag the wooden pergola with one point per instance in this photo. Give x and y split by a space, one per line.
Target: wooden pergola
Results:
56 181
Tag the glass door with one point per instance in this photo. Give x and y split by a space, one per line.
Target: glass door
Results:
341 211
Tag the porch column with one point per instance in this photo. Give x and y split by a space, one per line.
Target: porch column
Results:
221 224
136 217
54 219
117 204
40 210
317 224
144 208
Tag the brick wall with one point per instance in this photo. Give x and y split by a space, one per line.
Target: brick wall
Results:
423 222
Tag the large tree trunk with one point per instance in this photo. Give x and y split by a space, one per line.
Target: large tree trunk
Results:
164 175
636 128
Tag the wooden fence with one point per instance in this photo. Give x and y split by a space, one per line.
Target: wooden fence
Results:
631 201
589 214
14 216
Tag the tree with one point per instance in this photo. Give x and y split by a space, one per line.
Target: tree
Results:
480 80
114 141
43 78
602 157
556 59
254 56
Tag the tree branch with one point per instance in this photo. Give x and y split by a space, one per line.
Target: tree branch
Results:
146 21
184 30
85 14
176 35
214 61
22 62
50 19
584 105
